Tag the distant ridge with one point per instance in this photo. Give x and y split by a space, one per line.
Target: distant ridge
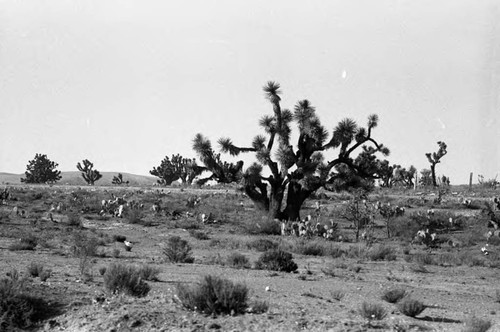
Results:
75 178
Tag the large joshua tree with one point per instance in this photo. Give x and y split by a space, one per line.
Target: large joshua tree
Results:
435 158
298 172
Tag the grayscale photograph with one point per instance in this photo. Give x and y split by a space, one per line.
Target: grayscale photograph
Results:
230 165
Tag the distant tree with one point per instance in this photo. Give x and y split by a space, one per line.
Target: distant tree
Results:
222 172
404 177
296 173
425 177
435 158
89 174
41 170
118 179
176 168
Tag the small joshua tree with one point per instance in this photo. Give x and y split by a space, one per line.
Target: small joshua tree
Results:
359 212
41 170
89 174
435 158
425 177
404 177
118 179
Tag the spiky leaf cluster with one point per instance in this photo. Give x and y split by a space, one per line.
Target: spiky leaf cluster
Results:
41 170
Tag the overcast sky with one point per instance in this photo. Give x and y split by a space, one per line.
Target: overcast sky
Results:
125 83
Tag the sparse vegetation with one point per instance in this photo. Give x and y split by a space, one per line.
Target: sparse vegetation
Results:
393 295
215 296
126 279
410 307
177 250
238 261
372 311
276 260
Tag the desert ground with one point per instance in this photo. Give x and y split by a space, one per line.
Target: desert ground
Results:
44 228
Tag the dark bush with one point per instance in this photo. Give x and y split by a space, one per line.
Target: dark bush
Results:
276 260
394 295
149 272
214 296
262 245
120 278
381 253
410 307
372 311
34 269
200 235
27 242
119 238
178 250
238 261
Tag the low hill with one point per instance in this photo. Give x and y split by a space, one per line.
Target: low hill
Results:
75 178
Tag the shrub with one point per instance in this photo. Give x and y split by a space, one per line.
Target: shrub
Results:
116 252
120 278
410 307
17 309
102 270
382 252
336 252
74 219
34 269
119 238
45 274
394 295
149 272
337 294
276 260
200 235
238 261
84 245
475 324
423 259
262 245
311 249
258 307
372 311
214 295
178 250
133 216
265 227
27 242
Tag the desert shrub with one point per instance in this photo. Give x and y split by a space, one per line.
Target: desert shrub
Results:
337 294
45 274
84 245
276 260
27 242
119 238
410 307
34 269
102 270
382 253
214 295
120 278
18 310
264 227
423 259
258 307
238 261
200 235
178 250
475 324
356 251
74 219
133 216
214 260
115 253
262 245
149 272
404 227
372 311
393 295
336 252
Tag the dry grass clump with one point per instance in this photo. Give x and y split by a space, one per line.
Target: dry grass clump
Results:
475 324
276 260
178 250
337 294
393 295
410 307
37 270
27 242
200 235
74 219
149 272
382 253
238 261
18 310
214 296
262 245
372 311
134 216
120 278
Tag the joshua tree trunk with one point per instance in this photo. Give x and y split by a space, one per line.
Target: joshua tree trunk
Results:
294 201
433 174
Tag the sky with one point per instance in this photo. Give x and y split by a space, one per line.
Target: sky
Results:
125 83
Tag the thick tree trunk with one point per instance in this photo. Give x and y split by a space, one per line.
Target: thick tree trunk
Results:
275 201
295 198
433 173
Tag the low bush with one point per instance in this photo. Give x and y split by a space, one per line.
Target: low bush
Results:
372 311
410 307
336 252
200 235
262 245
475 324
84 245
214 296
120 278
276 260
264 227
382 253
394 295
423 259
238 261
27 242
258 307
119 238
337 294
34 269
178 250
133 216
149 272
74 219
18 310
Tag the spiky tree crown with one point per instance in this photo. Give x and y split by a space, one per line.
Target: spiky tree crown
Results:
89 174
